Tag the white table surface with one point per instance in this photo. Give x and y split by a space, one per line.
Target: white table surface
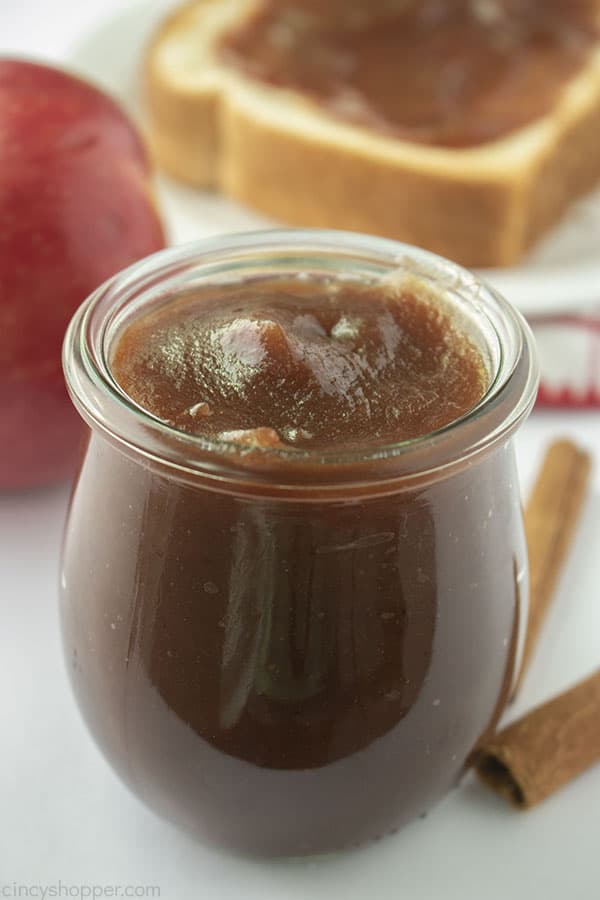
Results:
66 821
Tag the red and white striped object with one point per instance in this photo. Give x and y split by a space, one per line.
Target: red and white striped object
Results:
569 351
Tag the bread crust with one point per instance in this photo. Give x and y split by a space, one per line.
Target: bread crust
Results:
567 171
184 131
481 215
311 183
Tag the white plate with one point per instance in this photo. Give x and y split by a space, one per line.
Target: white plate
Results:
563 273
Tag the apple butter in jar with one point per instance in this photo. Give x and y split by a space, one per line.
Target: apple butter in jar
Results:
294 577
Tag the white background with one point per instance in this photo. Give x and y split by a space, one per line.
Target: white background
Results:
65 818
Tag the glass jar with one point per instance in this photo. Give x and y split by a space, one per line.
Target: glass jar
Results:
292 653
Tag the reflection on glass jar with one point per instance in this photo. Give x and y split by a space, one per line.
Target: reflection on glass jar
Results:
292 656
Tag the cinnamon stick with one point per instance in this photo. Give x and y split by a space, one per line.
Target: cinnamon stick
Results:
551 517
535 756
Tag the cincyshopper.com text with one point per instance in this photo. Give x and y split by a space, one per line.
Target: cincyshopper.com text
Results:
76 891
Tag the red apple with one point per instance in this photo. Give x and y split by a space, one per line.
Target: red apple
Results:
75 207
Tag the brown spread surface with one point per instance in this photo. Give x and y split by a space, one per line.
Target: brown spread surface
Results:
449 73
302 363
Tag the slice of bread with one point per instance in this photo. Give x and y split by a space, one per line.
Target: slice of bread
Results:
284 154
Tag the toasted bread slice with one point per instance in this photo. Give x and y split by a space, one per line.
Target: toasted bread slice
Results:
276 150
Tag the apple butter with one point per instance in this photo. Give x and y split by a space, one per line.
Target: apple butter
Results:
307 363
448 73
294 573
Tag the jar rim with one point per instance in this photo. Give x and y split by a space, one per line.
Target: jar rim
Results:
106 407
